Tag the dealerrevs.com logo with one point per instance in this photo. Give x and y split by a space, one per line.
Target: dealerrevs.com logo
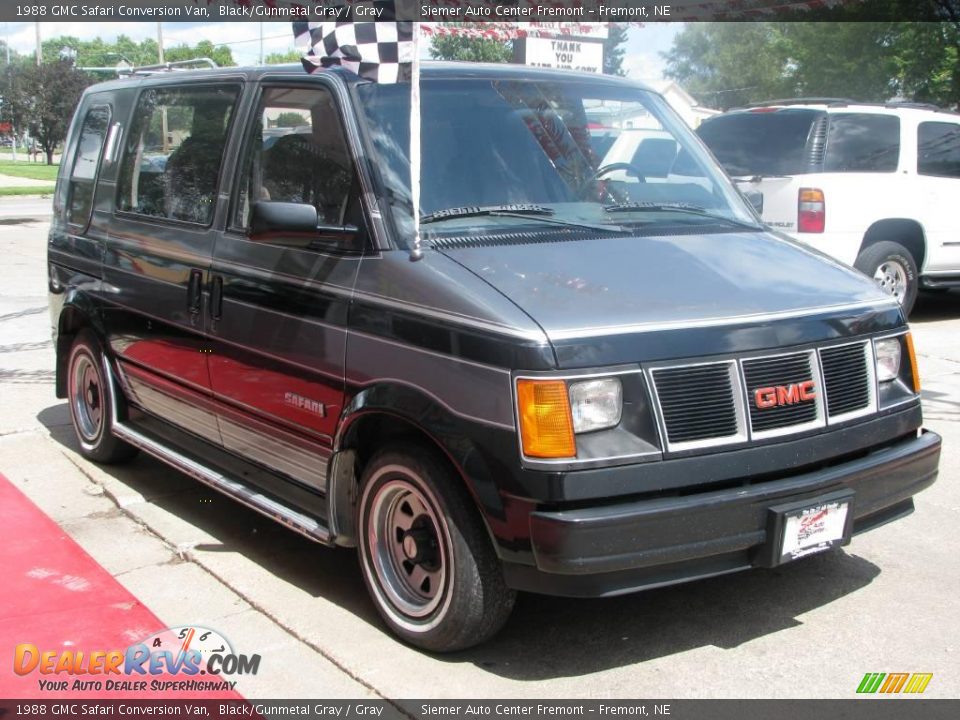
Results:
185 659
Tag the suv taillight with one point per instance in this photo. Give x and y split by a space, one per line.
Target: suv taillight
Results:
811 211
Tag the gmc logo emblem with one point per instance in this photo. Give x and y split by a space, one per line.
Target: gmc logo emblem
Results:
768 397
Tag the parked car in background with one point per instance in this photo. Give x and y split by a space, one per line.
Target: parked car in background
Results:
875 186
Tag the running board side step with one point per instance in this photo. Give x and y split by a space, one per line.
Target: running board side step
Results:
297 521
243 494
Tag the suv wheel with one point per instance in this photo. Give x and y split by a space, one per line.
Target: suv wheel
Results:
425 556
894 269
90 407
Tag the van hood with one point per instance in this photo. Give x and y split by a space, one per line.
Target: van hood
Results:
629 299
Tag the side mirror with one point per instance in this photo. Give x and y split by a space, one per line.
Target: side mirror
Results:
283 217
293 225
755 198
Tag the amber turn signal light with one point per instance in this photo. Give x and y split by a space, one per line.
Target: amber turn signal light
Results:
914 370
546 424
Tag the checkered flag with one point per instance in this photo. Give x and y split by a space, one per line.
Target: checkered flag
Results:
379 51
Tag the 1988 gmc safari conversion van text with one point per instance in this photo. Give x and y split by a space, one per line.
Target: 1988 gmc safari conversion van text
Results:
600 377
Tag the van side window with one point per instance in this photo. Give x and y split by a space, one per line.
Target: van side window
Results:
174 151
83 176
938 149
297 154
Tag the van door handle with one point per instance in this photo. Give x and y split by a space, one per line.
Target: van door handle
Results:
216 298
194 291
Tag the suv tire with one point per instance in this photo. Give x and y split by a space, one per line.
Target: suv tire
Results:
894 269
426 558
89 400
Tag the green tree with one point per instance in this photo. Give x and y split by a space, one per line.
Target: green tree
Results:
727 64
289 120
220 54
41 99
281 58
99 53
451 47
613 50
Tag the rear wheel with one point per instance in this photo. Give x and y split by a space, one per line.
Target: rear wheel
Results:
90 406
893 268
425 556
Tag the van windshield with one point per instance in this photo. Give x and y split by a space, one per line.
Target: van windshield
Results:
579 151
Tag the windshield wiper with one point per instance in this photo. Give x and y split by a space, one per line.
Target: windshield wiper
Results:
524 211
519 209
678 207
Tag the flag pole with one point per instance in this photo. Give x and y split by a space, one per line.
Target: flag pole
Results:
415 158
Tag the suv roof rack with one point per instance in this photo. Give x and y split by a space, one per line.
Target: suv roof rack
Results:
169 66
804 101
911 104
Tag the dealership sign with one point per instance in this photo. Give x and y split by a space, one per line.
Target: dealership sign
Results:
564 53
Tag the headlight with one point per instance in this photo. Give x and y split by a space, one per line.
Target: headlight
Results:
596 404
551 412
887 354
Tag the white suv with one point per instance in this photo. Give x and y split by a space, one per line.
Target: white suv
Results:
875 186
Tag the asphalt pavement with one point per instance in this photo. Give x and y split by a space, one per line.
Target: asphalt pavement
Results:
887 603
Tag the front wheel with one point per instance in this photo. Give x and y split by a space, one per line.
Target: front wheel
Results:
893 268
425 556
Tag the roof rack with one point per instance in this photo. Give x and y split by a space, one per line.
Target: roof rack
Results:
910 104
805 101
168 66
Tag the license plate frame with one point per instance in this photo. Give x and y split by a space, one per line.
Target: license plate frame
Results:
807 527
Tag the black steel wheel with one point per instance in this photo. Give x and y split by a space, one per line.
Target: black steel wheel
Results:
425 556
90 403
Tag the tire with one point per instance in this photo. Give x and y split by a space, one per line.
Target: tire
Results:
894 269
89 400
425 556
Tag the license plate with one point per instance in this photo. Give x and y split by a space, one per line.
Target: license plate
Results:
814 529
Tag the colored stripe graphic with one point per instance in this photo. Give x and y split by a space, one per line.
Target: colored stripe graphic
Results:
870 682
894 682
918 682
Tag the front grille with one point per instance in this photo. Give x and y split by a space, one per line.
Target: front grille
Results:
697 402
717 403
847 377
781 373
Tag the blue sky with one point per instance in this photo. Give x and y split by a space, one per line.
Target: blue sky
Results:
642 61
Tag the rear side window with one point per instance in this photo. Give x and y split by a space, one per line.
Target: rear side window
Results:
938 149
760 142
83 175
861 142
174 152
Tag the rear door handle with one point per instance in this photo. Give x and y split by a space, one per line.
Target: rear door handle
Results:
195 291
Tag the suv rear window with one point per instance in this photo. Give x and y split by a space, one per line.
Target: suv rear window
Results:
760 142
938 149
862 142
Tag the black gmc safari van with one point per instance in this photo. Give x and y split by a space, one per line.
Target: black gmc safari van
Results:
601 374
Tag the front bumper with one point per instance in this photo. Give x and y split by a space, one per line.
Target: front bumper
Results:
620 548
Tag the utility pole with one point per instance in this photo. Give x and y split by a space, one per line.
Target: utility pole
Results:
163 110
39 51
261 43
